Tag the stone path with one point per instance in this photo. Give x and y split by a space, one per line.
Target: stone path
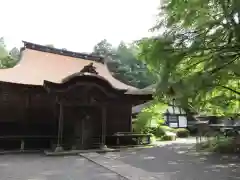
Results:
177 161
172 161
181 162
126 171
37 167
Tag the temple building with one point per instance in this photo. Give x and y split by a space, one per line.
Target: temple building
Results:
59 99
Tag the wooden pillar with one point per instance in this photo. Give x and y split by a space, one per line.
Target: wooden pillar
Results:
104 121
60 129
82 132
25 120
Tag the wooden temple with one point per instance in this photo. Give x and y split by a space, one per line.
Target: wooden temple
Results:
59 99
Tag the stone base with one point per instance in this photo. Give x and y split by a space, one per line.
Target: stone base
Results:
103 147
59 149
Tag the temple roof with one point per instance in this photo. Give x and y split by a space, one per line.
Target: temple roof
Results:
39 63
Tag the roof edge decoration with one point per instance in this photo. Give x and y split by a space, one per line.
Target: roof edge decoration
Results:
62 52
89 69
74 81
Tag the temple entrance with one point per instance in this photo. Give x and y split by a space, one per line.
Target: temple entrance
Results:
81 126
82 102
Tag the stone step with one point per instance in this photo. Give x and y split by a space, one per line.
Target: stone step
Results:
76 152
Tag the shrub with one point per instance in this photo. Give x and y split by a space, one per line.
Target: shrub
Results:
150 116
220 145
182 132
149 130
168 137
161 130
224 145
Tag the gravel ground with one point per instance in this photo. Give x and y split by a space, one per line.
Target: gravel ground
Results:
175 161
40 167
182 162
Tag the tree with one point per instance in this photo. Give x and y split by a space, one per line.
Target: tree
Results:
150 116
2 42
7 62
15 53
3 51
103 48
197 55
123 64
8 59
130 70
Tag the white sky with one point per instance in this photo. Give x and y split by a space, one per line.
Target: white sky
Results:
76 24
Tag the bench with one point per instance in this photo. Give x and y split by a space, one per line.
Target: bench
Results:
127 137
26 142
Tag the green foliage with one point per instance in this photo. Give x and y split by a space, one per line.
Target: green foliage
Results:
197 56
7 62
148 130
123 64
158 131
103 48
162 130
182 133
151 116
168 138
8 59
15 53
3 51
222 145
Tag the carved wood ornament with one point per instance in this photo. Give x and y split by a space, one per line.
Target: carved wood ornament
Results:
89 69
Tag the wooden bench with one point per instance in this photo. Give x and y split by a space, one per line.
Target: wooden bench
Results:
21 142
128 136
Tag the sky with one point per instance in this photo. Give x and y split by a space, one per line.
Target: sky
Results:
76 25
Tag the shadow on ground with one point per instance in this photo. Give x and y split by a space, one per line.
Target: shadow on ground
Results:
40 167
182 162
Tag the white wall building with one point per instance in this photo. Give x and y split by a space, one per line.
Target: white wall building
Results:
174 117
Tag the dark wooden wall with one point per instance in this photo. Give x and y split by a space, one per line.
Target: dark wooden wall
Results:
119 118
31 111
26 111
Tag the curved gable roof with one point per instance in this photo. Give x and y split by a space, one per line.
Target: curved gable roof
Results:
37 65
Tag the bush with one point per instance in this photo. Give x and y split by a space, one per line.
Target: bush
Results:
220 145
165 133
182 132
161 130
149 130
168 137
224 145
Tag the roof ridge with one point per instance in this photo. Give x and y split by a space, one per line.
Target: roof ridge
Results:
62 52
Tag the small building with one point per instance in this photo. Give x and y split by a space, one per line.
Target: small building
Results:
62 99
174 117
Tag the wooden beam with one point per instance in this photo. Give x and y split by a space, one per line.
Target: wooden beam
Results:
60 129
104 119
